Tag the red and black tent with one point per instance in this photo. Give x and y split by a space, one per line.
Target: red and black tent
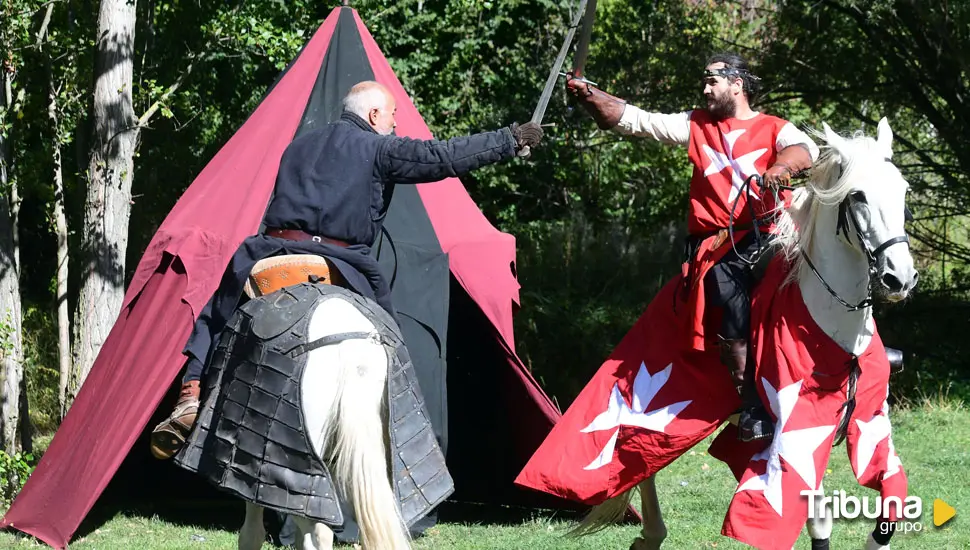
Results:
453 282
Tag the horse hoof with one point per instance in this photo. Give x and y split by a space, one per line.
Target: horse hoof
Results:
652 543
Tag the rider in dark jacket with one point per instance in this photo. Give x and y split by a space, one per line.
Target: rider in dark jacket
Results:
332 192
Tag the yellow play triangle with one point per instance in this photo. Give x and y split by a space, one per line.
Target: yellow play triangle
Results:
942 512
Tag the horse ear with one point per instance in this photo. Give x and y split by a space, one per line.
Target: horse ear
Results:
834 140
885 138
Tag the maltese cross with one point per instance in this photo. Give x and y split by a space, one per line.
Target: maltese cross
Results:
872 433
741 167
797 447
618 413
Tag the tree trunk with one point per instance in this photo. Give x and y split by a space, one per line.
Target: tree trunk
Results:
11 341
60 228
108 204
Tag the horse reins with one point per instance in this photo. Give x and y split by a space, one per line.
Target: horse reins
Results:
742 191
846 216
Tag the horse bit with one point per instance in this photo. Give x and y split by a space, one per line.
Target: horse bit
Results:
847 216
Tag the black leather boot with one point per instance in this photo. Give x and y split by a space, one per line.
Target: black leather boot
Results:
754 423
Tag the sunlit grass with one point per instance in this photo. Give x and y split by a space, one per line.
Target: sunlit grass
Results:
933 441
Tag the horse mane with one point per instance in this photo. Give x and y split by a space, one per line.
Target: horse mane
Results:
830 180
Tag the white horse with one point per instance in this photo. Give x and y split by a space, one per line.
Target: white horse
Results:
872 255
345 409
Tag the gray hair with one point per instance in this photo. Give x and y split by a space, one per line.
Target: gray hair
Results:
363 97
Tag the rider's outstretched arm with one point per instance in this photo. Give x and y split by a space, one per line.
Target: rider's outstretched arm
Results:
405 160
673 128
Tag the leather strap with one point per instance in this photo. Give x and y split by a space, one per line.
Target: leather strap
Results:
298 235
331 339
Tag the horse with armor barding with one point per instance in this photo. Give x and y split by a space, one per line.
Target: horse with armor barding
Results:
311 399
821 370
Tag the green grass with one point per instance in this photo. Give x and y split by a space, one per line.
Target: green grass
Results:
933 441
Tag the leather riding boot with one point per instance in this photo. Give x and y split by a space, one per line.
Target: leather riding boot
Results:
754 422
895 357
169 436
733 355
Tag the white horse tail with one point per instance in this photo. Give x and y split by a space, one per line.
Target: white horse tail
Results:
359 450
603 515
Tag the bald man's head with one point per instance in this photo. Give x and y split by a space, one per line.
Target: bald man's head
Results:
374 103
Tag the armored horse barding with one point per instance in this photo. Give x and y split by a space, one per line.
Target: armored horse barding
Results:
840 243
311 400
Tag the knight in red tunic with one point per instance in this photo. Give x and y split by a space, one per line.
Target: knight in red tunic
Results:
727 143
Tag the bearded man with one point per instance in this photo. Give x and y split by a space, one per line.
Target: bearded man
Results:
727 143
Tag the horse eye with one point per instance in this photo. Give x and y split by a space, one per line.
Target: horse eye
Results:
859 196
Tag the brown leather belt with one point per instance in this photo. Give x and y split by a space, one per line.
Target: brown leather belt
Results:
298 235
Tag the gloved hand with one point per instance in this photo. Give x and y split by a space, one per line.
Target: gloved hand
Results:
526 135
577 87
776 176
606 109
790 161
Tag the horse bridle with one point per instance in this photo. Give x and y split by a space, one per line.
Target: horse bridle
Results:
847 216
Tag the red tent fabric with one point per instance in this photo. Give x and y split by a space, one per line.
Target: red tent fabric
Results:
181 269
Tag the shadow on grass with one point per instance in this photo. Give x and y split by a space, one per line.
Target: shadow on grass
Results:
149 488
146 487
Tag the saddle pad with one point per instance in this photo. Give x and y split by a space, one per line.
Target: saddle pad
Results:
277 272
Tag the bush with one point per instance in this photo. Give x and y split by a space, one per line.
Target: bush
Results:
41 368
931 329
14 471
583 287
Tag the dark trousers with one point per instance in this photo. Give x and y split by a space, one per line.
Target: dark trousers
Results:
728 285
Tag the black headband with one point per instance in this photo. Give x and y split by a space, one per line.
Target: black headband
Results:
730 72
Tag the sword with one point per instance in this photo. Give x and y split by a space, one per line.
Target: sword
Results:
582 47
557 66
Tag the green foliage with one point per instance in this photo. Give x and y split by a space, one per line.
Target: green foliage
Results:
931 329
853 62
41 368
598 217
7 329
583 286
14 471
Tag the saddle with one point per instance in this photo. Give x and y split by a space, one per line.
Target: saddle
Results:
277 272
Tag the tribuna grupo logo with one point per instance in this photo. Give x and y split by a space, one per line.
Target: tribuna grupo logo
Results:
841 505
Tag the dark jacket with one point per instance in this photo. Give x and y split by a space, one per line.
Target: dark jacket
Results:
337 182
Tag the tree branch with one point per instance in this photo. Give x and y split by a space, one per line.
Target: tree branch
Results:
900 57
29 11
43 26
859 115
143 120
952 249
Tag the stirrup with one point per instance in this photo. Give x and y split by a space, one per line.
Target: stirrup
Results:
169 436
895 357
759 425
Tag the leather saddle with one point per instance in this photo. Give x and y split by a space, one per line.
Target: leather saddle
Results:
277 272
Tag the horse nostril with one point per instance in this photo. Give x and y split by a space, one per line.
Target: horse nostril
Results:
891 282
